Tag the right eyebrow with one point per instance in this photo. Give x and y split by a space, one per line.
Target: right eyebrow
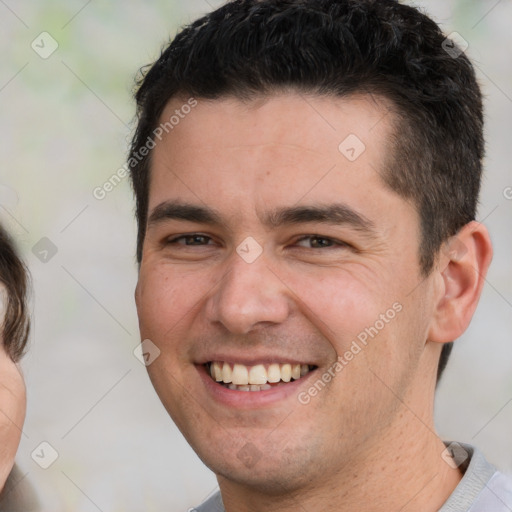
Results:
169 210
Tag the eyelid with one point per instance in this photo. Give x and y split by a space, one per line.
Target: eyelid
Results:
173 238
335 241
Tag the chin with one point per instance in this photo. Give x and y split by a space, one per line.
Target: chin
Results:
269 469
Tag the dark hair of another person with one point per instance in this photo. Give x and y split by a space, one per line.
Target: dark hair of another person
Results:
337 48
15 325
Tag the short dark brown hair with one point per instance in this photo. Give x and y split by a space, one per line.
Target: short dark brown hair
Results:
250 48
15 325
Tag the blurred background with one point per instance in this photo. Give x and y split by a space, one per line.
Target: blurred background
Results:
66 115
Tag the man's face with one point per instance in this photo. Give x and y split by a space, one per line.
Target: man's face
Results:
272 240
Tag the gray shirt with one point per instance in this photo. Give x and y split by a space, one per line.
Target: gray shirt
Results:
17 494
482 489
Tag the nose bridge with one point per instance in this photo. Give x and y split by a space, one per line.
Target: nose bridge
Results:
248 294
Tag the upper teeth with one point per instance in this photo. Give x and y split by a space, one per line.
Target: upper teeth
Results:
241 375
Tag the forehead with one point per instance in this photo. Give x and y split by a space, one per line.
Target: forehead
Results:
277 149
313 120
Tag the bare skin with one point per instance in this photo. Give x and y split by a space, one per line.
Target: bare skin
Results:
366 440
12 412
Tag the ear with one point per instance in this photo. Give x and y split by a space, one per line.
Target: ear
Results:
463 263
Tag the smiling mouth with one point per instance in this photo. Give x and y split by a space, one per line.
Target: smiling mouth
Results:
259 377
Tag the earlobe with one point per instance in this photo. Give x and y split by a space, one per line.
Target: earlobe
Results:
464 260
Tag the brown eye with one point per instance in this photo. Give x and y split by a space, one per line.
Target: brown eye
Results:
193 239
318 242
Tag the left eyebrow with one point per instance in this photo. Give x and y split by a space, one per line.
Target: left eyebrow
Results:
338 213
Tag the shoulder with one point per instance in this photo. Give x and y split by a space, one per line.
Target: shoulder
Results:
213 504
497 494
18 495
483 488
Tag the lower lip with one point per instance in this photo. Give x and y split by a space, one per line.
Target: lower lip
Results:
250 399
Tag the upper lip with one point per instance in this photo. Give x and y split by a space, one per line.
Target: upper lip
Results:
252 360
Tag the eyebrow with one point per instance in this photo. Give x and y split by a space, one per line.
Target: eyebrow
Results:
336 214
172 210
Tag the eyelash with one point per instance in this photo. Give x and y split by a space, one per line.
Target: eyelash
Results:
182 237
333 242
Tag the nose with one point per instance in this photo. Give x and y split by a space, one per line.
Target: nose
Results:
250 295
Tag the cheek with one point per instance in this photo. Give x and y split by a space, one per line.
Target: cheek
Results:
340 304
369 324
167 300
160 301
395 348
